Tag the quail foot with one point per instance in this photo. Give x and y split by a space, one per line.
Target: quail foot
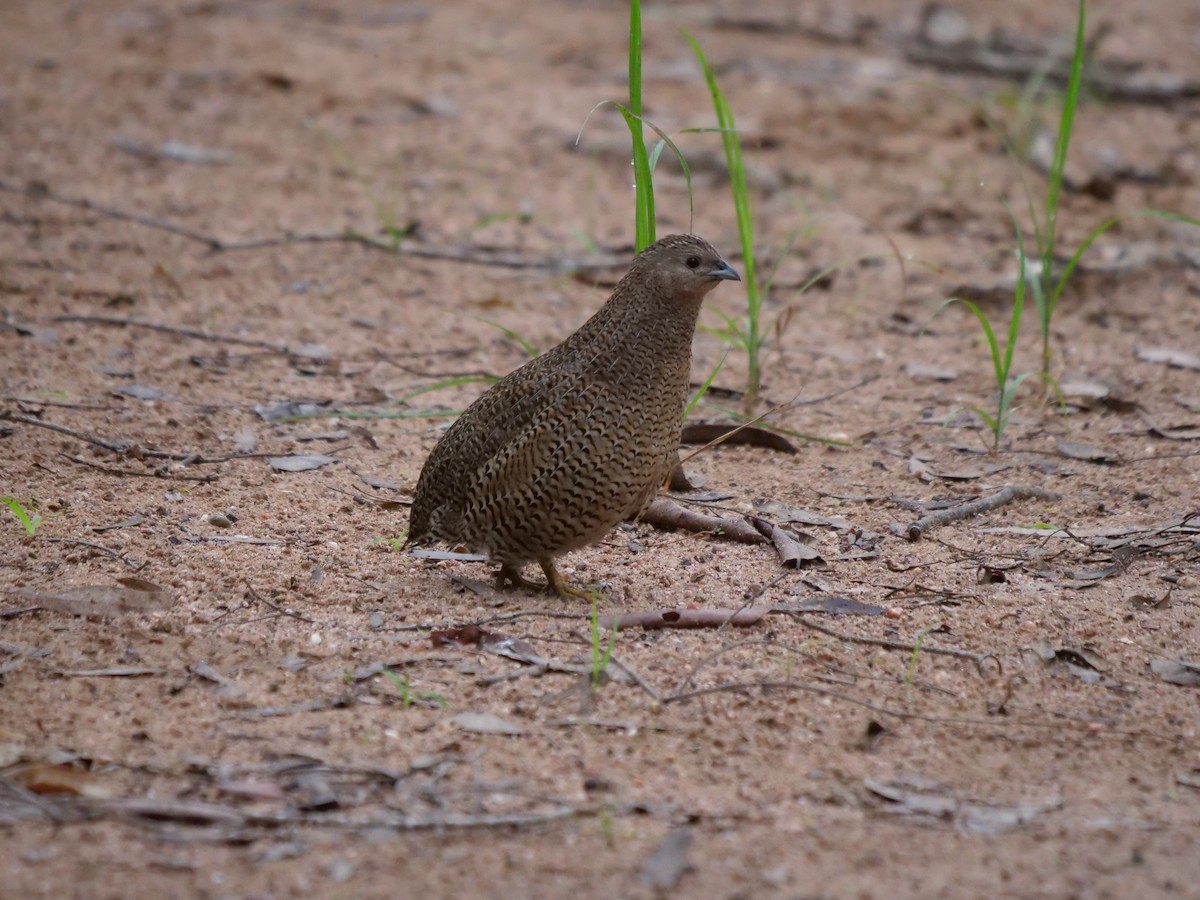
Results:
581 438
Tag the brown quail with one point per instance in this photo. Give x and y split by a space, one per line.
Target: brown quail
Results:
581 438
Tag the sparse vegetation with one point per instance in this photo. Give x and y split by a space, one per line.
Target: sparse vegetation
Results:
1001 356
601 653
29 521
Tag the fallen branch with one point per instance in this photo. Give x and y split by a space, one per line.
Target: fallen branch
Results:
686 618
127 448
1007 495
1108 80
978 658
193 333
134 473
668 514
398 247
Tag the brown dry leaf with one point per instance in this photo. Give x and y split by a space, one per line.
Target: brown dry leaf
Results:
793 552
668 862
706 432
924 371
1086 452
970 471
46 778
512 648
1167 356
928 800
486 723
141 392
422 553
11 752
1188 432
286 409
834 606
97 601
380 484
1177 671
1141 601
1078 664
299 463
800 516
1083 391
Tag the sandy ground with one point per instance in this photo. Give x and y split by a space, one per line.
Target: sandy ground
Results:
268 709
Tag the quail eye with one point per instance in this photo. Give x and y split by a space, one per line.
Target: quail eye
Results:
693 262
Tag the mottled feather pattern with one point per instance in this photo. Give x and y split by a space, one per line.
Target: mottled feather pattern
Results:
554 455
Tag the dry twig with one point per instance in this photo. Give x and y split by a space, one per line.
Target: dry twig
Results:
668 514
1002 497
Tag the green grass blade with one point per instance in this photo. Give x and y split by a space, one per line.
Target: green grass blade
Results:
704 387
993 346
745 220
28 522
1014 320
644 225
1083 248
447 383
529 349
652 161
1055 181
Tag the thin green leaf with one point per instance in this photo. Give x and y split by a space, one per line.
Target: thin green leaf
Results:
529 349
1066 123
704 387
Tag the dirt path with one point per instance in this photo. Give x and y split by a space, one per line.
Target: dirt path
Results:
997 709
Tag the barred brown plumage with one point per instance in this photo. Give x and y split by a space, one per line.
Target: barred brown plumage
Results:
561 450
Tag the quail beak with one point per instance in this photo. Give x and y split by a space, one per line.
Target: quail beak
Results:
724 272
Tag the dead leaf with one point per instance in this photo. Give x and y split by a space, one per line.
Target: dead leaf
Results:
421 553
800 516
1141 601
926 799
706 432
286 409
1086 452
1177 671
141 392
834 606
1188 432
970 471
668 862
45 778
516 649
175 151
486 723
299 463
927 372
99 601
321 436
1079 664
869 740
793 552
1167 356
380 484
1084 391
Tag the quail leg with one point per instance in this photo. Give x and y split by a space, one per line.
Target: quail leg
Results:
509 574
556 583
